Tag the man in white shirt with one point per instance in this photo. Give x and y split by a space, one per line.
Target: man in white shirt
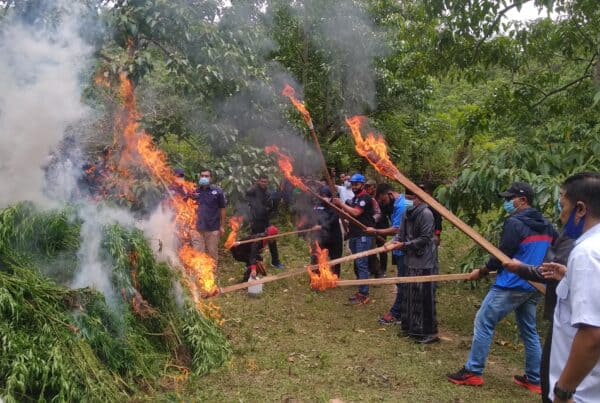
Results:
345 189
575 353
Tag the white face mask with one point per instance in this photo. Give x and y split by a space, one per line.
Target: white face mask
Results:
347 184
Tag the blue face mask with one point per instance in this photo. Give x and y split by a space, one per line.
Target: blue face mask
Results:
204 181
408 205
573 230
509 206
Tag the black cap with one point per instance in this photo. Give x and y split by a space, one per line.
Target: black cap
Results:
519 189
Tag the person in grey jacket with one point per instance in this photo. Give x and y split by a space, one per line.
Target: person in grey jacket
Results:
418 314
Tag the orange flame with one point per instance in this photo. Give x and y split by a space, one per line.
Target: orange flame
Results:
289 92
285 165
138 146
324 278
235 223
373 148
200 267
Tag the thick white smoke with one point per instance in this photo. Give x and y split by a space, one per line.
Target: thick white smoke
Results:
40 97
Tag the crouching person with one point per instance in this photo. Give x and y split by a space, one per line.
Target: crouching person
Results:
251 253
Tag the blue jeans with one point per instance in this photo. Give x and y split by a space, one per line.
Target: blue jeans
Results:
361 244
395 309
497 304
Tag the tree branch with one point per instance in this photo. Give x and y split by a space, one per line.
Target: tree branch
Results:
557 90
492 27
530 86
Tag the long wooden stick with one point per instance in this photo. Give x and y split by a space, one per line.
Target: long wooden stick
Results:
342 213
405 280
328 178
266 238
458 223
296 272
386 168
290 93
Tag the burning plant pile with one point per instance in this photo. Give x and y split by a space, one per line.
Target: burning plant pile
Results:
152 330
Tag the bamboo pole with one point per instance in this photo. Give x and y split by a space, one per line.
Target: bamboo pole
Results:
405 280
342 213
386 168
301 107
328 178
458 223
266 238
296 272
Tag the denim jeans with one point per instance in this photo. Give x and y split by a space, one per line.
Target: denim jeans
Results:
497 304
395 310
361 244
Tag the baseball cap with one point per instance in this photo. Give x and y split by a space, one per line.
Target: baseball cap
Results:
519 189
357 178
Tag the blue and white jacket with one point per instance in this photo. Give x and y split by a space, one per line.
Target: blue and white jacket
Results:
526 236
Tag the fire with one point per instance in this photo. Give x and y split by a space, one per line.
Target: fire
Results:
373 148
289 92
286 167
324 278
235 223
199 268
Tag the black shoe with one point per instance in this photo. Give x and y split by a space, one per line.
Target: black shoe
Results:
427 339
403 333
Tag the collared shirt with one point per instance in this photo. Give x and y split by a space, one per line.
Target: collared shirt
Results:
363 202
210 201
578 304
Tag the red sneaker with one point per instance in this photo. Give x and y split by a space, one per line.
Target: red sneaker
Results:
388 319
523 382
358 299
464 377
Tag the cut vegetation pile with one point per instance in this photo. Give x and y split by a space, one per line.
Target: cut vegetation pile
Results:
63 344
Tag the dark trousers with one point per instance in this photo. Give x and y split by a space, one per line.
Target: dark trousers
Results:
396 309
260 227
545 366
383 258
418 314
274 253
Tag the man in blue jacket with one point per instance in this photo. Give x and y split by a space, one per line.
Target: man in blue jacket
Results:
526 236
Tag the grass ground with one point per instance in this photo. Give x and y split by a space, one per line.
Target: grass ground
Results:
295 345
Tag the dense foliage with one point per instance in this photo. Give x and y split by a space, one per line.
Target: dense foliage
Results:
465 97
65 344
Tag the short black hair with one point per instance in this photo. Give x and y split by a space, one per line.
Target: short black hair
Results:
383 188
584 187
206 170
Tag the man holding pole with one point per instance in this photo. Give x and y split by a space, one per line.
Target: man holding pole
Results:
417 309
359 207
526 236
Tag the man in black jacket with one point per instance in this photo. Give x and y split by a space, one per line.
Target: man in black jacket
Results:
329 234
260 207
418 313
